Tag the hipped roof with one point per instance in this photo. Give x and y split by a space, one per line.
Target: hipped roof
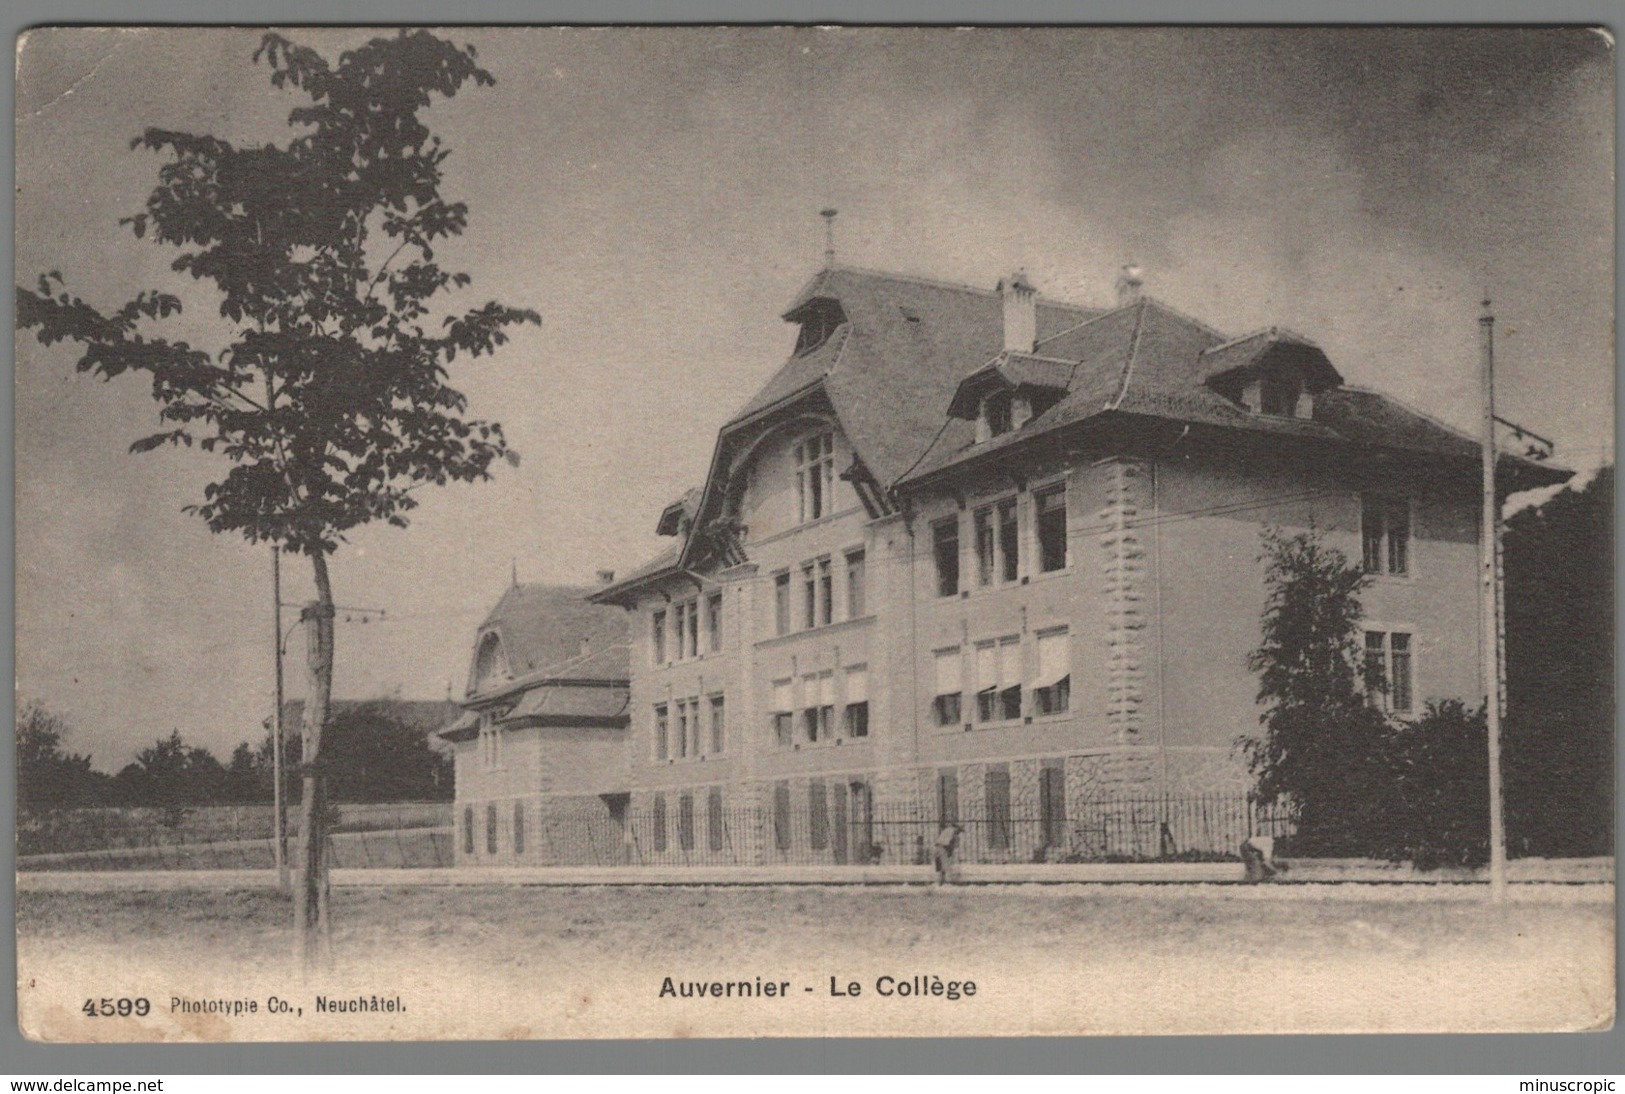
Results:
542 629
891 370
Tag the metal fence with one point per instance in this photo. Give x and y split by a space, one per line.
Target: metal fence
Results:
1204 827
688 831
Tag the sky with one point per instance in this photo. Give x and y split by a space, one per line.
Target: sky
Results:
654 194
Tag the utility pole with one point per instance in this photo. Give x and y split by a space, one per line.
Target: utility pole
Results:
280 831
1489 552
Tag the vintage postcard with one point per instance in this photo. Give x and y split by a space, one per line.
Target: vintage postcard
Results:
541 533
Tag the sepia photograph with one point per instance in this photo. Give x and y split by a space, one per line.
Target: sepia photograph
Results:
554 533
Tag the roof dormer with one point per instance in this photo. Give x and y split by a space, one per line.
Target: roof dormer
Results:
1007 393
1272 372
820 317
490 663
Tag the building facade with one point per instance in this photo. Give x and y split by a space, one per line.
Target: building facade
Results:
543 731
980 557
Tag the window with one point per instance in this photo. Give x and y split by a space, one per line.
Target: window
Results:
857 701
660 822
713 620
1009 540
945 548
781 816
818 593
1279 395
518 828
781 603
854 585
713 819
783 713
657 635
815 475
490 743
686 629
1388 664
1052 803
818 705
946 704
1385 534
809 596
468 830
718 726
490 661
838 815
685 821
997 783
491 829
1050 505
662 732
986 547
688 728
947 797
998 680
861 800
998 539
817 815
1052 687
996 410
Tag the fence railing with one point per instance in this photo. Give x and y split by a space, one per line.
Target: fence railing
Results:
1123 829
1204 827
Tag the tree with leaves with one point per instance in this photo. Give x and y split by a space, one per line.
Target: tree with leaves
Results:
329 397
48 776
1559 730
1326 748
173 777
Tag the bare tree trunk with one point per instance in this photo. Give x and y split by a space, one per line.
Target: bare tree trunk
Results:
312 943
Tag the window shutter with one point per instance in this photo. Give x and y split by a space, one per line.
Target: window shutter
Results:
987 668
857 686
781 696
1054 660
1010 661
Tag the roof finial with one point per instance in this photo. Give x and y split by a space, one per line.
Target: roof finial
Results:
516 571
829 236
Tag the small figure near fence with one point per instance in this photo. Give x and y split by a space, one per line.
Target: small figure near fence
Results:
947 844
1258 859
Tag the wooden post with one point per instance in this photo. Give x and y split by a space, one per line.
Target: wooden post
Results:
1490 600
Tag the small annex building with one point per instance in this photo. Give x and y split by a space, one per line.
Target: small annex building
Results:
543 730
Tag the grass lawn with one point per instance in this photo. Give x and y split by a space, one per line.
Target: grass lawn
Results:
507 961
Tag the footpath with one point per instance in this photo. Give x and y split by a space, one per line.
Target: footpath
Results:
1320 873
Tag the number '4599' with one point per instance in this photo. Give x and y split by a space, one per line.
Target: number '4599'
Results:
116 1008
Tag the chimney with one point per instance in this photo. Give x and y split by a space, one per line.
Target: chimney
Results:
606 577
1020 313
1129 282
